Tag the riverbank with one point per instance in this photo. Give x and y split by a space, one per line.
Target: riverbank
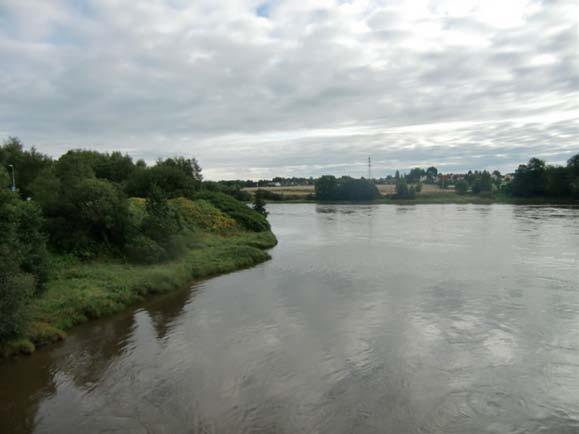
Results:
448 198
80 291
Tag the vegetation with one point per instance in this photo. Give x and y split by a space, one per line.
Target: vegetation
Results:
534 182
330 188
259 203
89 233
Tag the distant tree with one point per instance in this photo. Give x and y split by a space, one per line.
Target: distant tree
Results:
461 187
432 171
326 188
431 174
558 182
573 167
415 175
482 183
357 190
530 179
397 175
403 191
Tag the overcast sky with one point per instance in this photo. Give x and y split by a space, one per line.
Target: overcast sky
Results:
256 89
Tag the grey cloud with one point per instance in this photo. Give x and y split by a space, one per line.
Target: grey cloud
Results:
169 76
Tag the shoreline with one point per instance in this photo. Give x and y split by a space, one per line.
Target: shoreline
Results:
85 291
435 199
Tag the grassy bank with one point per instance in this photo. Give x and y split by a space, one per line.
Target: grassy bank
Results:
80 291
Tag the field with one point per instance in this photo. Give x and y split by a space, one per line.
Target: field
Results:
302 191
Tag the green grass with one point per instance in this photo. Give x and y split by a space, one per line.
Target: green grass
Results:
81 291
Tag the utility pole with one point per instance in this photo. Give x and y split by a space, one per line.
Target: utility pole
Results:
13 178
369 167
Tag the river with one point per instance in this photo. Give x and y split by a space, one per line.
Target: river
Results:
368 319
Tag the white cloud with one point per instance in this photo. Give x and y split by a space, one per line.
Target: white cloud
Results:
299 88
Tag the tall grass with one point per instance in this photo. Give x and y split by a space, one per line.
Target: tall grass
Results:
80 291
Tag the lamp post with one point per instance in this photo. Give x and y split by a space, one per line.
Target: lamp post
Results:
13 178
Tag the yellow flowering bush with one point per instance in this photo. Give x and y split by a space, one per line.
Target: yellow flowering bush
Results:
203 215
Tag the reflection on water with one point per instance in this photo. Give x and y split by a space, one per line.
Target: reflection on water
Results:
403 319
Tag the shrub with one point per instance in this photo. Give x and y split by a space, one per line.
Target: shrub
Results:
144 250
201 214
237 210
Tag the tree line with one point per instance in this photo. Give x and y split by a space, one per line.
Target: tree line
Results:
94 205
535 179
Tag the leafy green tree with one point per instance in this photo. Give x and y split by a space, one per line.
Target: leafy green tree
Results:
403 191
431 174
162 224
100 209
22 259
558 182
326 188
482 183
32 241
573 164
357 190
259 203
27 163
530 179
415 175
4 178
461 187
74 167
174 177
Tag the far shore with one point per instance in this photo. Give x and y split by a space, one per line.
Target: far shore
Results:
430 194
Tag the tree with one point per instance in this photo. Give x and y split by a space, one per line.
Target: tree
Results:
461 187
357 190
558 182
573 168
27 164
162 224
530 179
22 259
431 173
415 175
483 183
4 178
326 188
174 177
101 210
403 191
259 203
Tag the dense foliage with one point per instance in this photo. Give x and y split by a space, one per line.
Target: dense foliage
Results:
537 179
330 188
23 259
244 215
88 204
